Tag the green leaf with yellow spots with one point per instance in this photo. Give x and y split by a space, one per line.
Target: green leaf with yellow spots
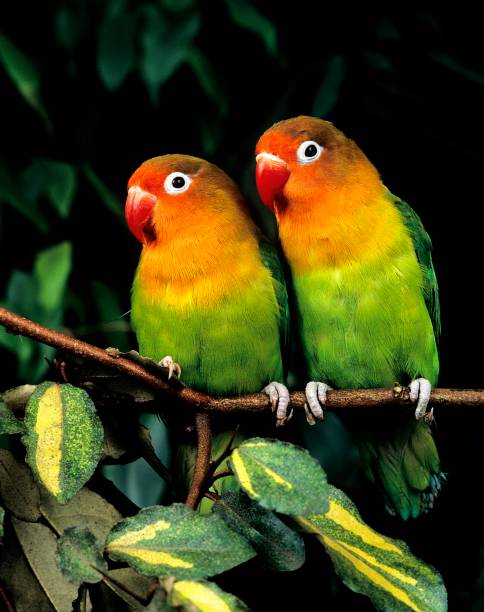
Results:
382 568
174 540
79 556
280 476
64 438
201 596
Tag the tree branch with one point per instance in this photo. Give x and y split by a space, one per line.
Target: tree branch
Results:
202 463
338 400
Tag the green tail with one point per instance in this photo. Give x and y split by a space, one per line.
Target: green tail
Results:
404 462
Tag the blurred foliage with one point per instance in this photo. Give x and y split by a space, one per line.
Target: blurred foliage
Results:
97 87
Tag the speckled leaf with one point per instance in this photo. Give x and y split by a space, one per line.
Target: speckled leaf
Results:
8 423
64 438
79 556
175 540
2 516
18 491
203 595
382 568
278 547
280 476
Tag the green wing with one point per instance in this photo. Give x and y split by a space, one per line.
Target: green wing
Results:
272 262
423 250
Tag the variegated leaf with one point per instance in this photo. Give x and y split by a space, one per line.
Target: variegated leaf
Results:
382 568
280 476
64 438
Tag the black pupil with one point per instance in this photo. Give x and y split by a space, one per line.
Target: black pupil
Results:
178 182
310 151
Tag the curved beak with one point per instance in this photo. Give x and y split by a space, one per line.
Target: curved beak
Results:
271 175
138 211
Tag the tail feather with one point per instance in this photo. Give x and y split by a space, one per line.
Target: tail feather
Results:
406 465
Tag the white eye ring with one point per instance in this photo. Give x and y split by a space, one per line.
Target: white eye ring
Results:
171 181
301 152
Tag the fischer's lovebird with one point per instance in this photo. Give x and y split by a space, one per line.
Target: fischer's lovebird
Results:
209 291
366 295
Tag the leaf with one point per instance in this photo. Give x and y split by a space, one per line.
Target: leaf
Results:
125 582
165 45
382 568
278 547
79 556
203 595
39 545
116 55
280 476
207 78
18 578
24 75
158 603
17 397
2 517
8 423
85 509
12 194
56 180
18 491
106 196
51 270
246 16
328 92
64 438
176 540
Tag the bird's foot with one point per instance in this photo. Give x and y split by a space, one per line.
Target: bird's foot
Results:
173 366
279 397
420 390
316 396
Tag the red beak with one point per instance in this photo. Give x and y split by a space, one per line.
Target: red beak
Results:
271 175
138 210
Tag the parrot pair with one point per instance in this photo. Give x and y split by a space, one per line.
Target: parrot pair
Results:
210 289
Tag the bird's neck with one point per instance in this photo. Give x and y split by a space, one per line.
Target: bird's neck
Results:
199 267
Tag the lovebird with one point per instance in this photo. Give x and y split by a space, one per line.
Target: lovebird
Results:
208 298
365 291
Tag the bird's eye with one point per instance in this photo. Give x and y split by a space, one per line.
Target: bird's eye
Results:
308 151
177 182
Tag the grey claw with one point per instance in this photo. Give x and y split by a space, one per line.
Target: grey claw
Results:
173 366
316 395
279 398
420 390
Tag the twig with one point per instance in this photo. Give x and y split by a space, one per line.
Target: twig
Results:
221 474
202 463
5 602
252 403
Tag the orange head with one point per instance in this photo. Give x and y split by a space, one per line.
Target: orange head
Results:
178 194
306 160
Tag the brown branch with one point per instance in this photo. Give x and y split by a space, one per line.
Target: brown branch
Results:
338 400
5 601
202 463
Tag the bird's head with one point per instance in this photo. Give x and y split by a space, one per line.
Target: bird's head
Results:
306 159
173 194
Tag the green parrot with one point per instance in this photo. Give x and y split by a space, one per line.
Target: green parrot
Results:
209 291
366 294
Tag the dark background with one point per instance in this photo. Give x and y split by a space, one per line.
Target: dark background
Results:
102 86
